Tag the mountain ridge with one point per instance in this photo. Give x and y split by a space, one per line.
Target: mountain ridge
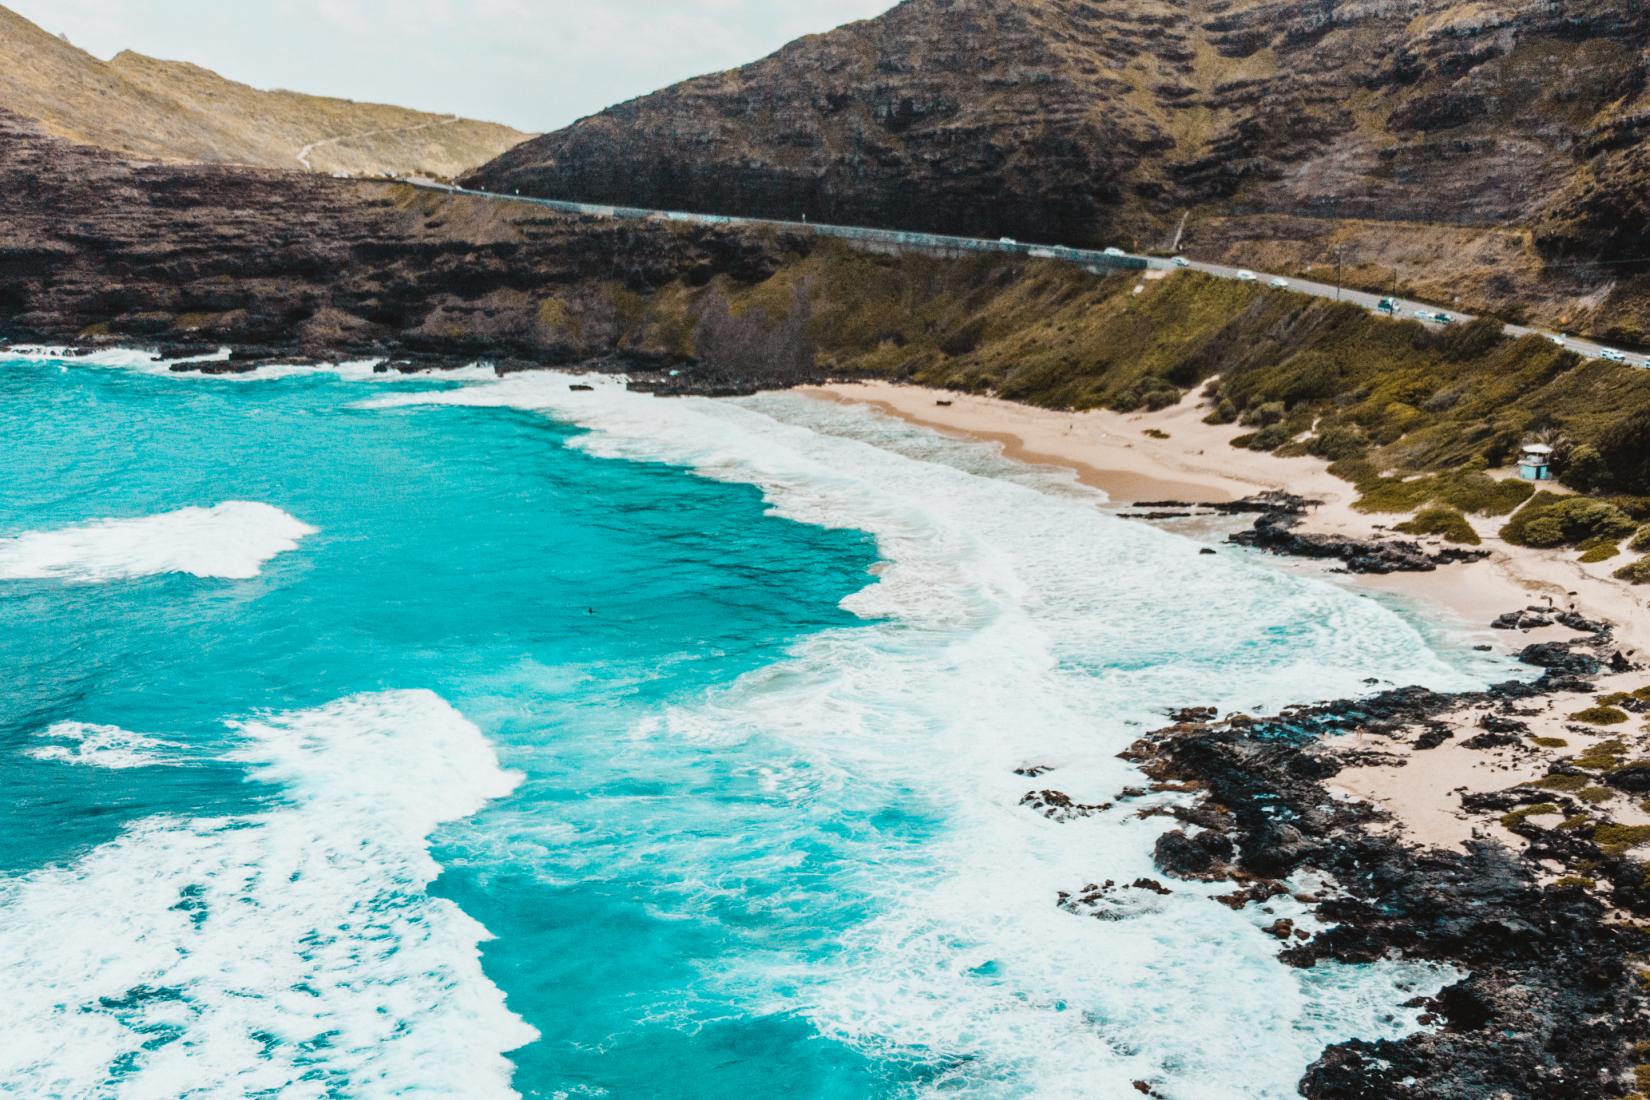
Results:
178 111
1092 122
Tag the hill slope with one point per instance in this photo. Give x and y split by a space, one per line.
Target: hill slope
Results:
1106 121
166 110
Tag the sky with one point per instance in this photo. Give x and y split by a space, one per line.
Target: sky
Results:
534 64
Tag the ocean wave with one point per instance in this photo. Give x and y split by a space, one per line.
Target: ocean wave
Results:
144 362
293 951
1012 623
100 746
231 541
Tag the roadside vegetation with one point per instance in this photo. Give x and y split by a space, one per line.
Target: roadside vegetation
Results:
1421 419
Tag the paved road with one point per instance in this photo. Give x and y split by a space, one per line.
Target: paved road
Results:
1096 260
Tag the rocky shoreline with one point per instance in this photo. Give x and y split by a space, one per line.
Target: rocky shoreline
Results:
1552 1003
1275 531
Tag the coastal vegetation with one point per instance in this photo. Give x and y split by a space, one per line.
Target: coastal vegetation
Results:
1444 522
1417 418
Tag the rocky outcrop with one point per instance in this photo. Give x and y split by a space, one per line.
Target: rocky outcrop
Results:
1276 534
94 248
1087 121
1549 1003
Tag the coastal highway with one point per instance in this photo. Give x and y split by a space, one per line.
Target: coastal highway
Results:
1094 259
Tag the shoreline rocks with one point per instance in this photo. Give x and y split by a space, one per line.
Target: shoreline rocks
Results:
1551 1003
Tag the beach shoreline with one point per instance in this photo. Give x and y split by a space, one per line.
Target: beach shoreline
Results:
1172 455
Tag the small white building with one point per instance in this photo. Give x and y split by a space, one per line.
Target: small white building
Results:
1535 462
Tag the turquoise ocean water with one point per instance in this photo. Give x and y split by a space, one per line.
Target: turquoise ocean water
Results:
481 738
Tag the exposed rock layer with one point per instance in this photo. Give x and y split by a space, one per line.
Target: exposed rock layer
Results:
1105 121
1075 118
93 247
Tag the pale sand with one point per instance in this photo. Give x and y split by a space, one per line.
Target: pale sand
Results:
1196 463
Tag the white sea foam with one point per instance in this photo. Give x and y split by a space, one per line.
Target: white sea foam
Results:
291 952
100 746
144 362
231 541
1013 623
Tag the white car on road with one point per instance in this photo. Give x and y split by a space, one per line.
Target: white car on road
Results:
1181 261
1560 339
1246 276
1115 252
1612 354
1279 284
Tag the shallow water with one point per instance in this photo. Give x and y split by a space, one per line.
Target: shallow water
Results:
485 738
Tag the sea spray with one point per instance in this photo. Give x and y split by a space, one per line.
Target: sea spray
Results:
292 951
230 541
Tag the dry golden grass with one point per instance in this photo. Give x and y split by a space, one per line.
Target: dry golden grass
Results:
170 110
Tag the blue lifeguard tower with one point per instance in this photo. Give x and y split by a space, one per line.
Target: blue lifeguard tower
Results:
1535 462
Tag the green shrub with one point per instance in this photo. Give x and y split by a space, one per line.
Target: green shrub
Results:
1359 471
1641 541
1585 470
1479 494
1224 412
1616 839
1597 550
1552 520
1540 809
1269 438
1150 393
1446 522
1637 572
1392 494
1600 716
1561 783
1603 756
1264 415
1472 340
1625 448
1338 441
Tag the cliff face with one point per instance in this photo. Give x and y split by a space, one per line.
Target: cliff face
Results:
1103 121
173 111
94 248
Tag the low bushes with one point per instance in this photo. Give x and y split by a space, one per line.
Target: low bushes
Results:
1637 572
1597 550
1552 520
1451 525
1471 491
1600 716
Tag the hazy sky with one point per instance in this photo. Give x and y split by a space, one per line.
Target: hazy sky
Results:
536 64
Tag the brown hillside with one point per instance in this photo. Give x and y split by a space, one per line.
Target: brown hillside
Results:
174 111
1466 142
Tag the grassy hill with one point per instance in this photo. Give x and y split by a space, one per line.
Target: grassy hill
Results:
174 111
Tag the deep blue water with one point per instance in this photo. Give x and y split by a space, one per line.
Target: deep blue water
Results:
757 844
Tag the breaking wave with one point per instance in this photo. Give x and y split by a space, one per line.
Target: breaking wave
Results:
231 541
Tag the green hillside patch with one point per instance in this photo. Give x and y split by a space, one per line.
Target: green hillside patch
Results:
1637 572
1551 520
1415 416
1446 523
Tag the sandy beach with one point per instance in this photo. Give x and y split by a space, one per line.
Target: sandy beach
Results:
1174 455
